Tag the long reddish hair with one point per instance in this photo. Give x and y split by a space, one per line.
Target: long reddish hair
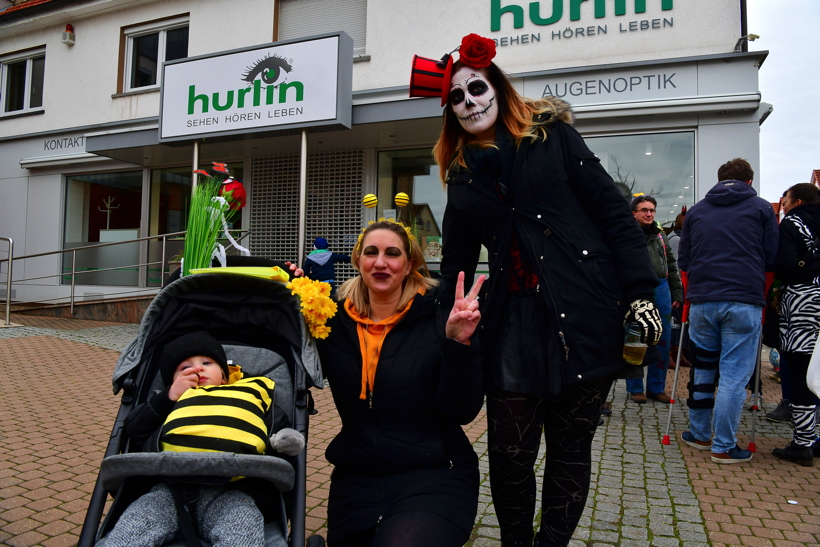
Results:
515 112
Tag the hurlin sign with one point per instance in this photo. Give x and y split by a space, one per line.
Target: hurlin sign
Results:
543 16
290 84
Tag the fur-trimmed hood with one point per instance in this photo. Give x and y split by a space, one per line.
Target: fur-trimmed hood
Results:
549 109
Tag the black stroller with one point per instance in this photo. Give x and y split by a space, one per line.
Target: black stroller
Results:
261 328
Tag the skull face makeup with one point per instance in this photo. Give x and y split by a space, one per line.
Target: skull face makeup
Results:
473 100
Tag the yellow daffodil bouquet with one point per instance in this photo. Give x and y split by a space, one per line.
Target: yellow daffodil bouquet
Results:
316 305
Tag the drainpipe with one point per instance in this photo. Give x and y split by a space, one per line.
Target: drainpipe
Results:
9 278
744 27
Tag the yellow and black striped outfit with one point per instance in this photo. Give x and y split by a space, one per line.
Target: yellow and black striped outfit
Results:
229 418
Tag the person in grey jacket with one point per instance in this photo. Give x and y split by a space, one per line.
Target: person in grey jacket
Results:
668 294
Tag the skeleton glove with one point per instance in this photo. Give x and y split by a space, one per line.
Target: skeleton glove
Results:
646 315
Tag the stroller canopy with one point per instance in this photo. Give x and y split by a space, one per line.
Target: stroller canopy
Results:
233 308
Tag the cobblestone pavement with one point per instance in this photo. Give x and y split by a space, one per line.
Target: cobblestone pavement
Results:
57 410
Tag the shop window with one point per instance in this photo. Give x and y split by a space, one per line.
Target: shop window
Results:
415 173
21 82
659 164
169 208
148 46
103 208
299 18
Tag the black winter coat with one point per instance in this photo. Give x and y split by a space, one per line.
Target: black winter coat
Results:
792 247
426 387
575 228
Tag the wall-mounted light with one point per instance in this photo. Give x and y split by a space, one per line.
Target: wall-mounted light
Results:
68 35
649 149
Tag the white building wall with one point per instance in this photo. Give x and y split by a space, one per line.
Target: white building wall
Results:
80 82
719 143
81 79
430 28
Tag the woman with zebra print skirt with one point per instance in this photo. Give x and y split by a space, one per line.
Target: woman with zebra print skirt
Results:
798 267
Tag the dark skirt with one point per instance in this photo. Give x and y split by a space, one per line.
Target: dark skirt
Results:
357 503
528 357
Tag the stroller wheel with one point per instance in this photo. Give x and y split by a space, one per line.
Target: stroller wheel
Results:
315 541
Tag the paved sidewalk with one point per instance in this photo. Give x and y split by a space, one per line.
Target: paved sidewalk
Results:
57 410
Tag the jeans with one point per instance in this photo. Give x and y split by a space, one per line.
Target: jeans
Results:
656 371
733 329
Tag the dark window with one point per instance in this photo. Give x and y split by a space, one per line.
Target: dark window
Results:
176 44
147 52
22 87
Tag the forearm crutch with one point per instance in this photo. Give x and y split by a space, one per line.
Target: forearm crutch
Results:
756 387
683 324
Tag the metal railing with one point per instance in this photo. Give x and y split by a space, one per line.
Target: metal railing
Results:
9 278
74 272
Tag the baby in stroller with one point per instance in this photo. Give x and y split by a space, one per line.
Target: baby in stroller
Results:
229 414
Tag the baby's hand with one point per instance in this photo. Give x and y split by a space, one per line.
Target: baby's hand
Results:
185 381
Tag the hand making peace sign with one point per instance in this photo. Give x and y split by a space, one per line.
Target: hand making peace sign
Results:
464 316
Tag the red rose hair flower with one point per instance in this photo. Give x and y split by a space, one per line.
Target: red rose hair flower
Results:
235 192
476 51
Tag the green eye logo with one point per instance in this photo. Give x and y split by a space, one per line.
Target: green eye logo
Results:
269 68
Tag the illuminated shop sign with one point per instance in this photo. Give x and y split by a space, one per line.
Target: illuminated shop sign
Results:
281 85
566 16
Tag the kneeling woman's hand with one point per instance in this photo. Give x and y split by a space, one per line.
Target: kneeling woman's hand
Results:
464 316
296 270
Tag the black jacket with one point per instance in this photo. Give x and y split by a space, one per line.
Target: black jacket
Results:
426 386
574 226
792 248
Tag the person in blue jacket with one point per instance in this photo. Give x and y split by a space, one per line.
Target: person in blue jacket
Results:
727 258
320 263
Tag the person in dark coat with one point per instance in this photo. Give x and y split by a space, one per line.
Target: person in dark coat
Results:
320 264
405 377
799 300
668 295
567 264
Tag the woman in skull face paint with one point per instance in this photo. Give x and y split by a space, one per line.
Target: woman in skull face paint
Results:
567 264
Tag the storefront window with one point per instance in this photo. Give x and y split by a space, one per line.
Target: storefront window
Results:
103 208
170 202
660 164
415 173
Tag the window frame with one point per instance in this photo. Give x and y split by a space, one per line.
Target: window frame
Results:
137 31
28 56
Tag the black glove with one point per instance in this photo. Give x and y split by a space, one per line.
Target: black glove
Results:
646 315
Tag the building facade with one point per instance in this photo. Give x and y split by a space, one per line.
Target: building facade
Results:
664 91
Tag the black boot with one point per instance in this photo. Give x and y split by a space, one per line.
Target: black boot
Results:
781 414
799 454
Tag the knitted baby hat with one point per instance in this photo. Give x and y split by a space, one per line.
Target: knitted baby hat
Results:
190 345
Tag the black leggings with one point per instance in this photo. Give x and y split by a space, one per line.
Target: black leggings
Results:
797 365
515 423
409 529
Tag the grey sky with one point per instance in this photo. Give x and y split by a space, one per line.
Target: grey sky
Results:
790 137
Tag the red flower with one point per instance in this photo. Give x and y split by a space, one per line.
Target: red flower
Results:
234 192
220 167
203 173
476 51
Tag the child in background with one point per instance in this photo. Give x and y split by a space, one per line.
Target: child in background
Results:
320 264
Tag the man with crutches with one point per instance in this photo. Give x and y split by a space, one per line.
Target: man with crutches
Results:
728 245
